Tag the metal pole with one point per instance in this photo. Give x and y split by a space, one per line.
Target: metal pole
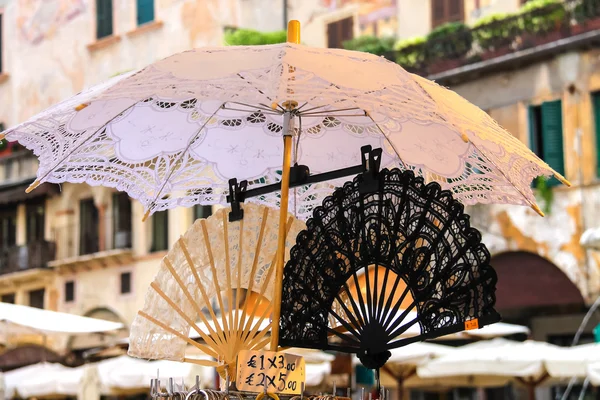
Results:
293 37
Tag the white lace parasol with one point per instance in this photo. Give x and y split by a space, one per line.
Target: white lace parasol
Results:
174 133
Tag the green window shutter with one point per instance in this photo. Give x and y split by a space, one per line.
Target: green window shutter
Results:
596 105
160 231
552 138
145 11
533 145
201 211
104 18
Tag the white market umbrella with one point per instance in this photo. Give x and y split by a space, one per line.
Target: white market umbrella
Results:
573 362
498 329
38 380
89 383
316 374
494 363
593 372
24 319
402 364
128 374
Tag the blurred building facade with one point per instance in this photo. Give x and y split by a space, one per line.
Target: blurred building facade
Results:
84 250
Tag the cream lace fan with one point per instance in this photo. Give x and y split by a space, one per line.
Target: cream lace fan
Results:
215 283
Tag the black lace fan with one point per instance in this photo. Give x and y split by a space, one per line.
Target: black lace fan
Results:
376 251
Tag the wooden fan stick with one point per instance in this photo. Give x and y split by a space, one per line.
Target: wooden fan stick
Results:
266 281
239 274
208 339
228 269
211 261
187 294
190 262
259 243
204 349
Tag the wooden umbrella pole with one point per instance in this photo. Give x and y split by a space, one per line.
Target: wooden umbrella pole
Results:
292 37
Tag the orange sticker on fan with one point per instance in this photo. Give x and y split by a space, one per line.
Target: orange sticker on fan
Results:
471 324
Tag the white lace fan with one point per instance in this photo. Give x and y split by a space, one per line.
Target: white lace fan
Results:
215 283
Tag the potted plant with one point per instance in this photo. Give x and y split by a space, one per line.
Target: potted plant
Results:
370 44
495 34
248 37
410 53
451 40
543 20
447 45
587 16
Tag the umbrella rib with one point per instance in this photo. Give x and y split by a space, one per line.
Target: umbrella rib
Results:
259 109
255 88
311 115
388 140
181 156
313 112
37 181
263 107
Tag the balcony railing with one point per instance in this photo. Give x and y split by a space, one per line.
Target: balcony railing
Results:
459 46
31 256
17 167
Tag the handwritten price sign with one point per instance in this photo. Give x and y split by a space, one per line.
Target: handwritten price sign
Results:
278 372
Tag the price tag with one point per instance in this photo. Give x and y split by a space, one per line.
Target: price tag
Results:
471 324
278 372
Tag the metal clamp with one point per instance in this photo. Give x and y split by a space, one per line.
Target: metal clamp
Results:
236 196
371 163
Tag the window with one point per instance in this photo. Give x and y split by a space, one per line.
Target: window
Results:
88 227
160 231
8 227
126 282
69 291
8 298
35 220
36 298
202 211
443 11
145 11
104 18
121 221
546 135
339 32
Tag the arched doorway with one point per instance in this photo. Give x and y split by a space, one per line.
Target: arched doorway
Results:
527 280
81 343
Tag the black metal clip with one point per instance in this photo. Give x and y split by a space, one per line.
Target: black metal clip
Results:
237 195
371 162
299 174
